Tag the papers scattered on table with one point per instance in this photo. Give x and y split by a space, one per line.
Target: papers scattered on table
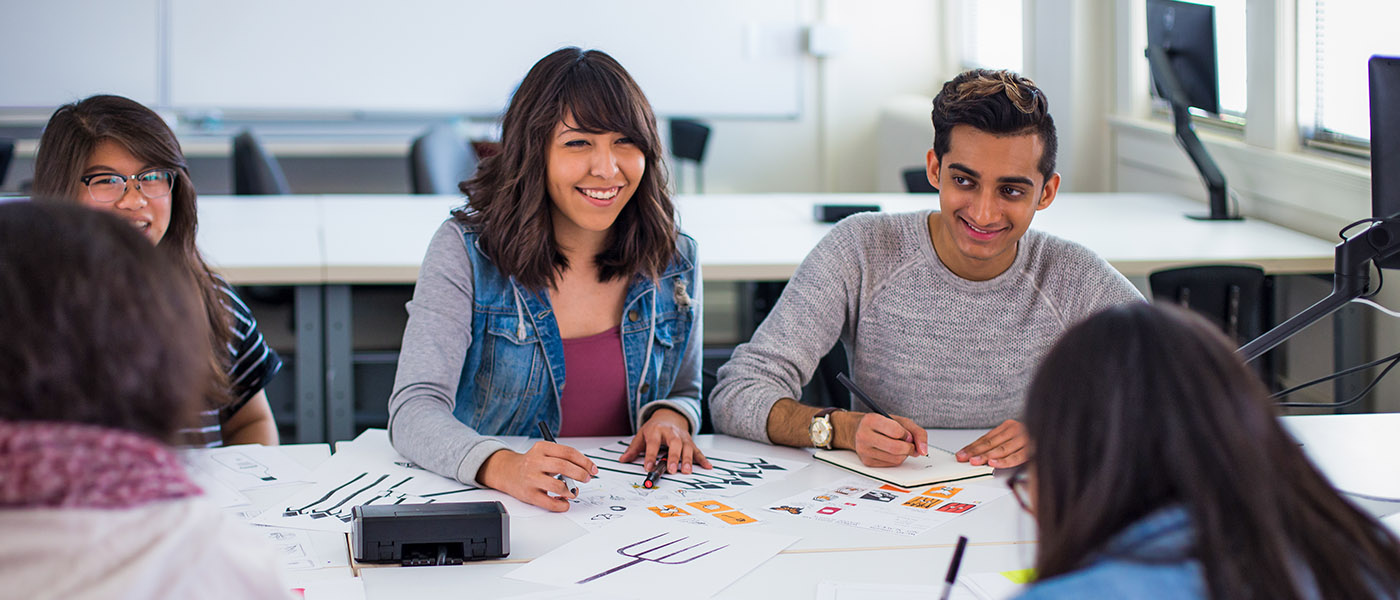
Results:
226 473
636 558
300 550
939 466
859 502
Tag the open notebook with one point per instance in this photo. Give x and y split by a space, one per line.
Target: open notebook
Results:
938 467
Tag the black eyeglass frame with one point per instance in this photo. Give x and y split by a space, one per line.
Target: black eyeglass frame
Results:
171 174
1017 482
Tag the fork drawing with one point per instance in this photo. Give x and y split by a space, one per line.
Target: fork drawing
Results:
656 554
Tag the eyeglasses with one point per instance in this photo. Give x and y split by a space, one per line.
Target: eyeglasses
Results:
1020 484
106 188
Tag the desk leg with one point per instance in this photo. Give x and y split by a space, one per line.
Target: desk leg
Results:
1350 342
340 374
310 400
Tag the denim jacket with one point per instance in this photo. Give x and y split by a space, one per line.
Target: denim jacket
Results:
514 376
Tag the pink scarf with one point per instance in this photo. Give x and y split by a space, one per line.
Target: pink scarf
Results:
67 465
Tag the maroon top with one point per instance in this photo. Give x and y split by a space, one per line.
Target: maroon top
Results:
595 388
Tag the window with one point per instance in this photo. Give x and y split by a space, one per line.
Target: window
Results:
1335 39
991 34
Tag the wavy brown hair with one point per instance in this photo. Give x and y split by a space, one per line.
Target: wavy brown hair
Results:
70 137
1143 407
509 199
1001 103
98 327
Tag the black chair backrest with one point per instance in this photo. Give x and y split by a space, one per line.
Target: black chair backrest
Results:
255 171
7 152
1233 296
916 181
438 160
688 139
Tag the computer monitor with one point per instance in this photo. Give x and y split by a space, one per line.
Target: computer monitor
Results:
1187 32
1181 54
1385 143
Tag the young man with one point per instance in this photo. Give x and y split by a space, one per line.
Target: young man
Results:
944 314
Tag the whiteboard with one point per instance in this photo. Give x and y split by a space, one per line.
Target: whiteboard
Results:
54 52
709 58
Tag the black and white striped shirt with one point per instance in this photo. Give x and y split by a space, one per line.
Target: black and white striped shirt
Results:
251 364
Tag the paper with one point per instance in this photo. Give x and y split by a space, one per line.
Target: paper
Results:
636 558
298 550
938 467
733 474
997 586
1393 522
858 502
246 467
831 590
349 479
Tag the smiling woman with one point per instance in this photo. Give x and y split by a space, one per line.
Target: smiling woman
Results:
562 295
115 155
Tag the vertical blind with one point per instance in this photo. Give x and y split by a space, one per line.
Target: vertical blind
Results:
1335 39
991 34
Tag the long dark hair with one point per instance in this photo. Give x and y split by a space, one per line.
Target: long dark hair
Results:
70 137
1142 407
97 328
509 195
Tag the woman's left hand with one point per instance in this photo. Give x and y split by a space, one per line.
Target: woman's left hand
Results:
670 429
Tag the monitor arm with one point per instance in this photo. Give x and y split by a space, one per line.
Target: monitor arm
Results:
1353 275
1162 73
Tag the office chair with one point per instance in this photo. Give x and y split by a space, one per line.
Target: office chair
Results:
438 160
255 171
1236 298
688 140
7 152
916 181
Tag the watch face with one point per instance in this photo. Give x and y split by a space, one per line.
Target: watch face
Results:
820 431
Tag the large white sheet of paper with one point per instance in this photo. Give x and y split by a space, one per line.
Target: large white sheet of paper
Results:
1393 522
636 558
246 467
301 550
867 504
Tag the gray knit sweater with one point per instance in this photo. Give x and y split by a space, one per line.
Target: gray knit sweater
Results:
925 343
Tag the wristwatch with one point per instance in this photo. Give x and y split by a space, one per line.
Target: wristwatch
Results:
820 429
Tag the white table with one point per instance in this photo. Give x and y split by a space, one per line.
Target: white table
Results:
1001 535
325 244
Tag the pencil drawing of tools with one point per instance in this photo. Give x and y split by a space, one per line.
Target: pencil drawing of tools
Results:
662 554
328 512
293 512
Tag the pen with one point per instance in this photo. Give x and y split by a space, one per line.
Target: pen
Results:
549 437
851 385
953 568
656 470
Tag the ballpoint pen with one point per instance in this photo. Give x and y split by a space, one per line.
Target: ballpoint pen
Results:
953 568
549 437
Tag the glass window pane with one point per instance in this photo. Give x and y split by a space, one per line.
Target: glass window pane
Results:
1335 39
991 33
1230 56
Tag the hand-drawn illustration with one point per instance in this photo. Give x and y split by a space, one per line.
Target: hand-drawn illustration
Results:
708 506
735 517
944 492
661 554
922 502
241 463
886 508
879 495
732 474
667 511
364 488
956 507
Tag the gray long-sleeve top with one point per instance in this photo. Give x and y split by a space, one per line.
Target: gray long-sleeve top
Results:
924 342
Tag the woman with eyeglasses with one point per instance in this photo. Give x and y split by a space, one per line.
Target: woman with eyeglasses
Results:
562 296
1160 471
113 154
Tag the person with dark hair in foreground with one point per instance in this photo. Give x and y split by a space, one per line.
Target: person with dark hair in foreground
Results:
944 313
114 154
103 361
1160 471
563 293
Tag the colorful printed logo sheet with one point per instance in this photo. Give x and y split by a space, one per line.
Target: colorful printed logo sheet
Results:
859 502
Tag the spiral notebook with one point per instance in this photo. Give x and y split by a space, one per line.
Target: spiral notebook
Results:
939 466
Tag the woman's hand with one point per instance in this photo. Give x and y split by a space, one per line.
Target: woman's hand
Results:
530 477
670 429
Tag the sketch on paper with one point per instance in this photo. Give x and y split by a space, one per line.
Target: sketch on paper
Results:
731 475
663 553
327 505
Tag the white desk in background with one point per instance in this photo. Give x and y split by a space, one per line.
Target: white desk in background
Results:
324 244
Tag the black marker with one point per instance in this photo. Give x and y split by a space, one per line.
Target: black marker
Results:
851 385
953 568
549 437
